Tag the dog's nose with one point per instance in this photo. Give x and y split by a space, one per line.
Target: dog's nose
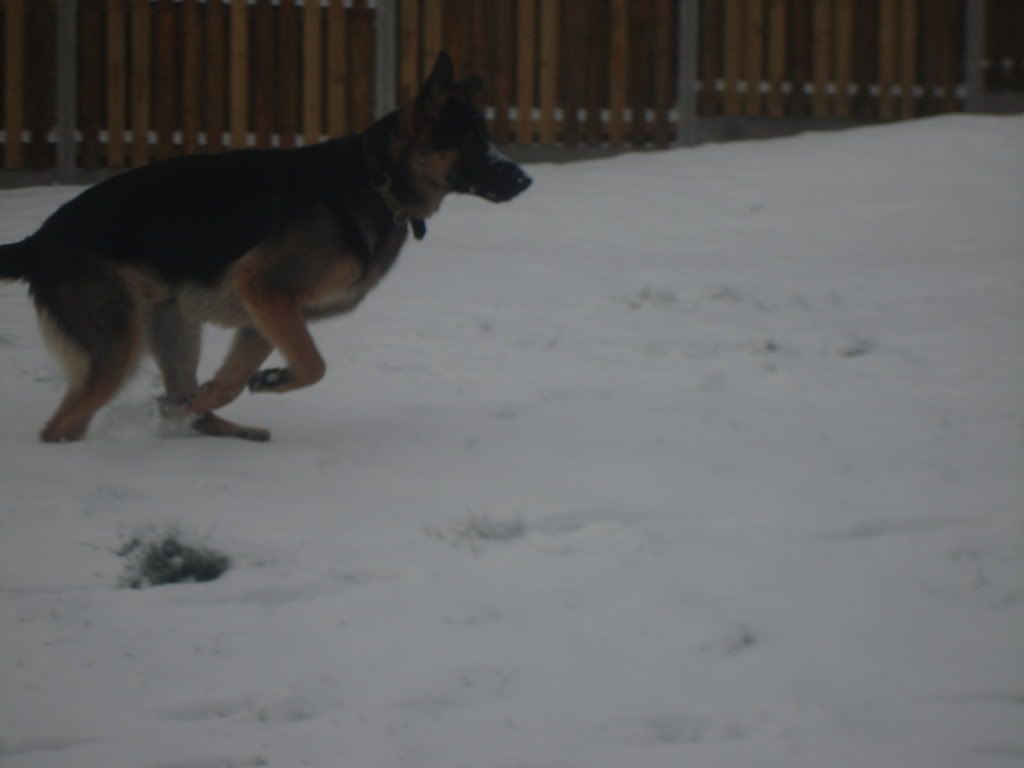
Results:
522 182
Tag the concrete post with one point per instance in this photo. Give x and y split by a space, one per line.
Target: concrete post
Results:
687 51
974 56
385 77
67 88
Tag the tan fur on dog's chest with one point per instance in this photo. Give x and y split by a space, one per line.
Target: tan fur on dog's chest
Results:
309 263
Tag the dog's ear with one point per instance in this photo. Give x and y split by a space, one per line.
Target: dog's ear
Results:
435 92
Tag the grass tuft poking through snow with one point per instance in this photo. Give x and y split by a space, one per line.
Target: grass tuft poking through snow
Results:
153 559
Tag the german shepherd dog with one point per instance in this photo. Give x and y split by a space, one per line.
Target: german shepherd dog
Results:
262 241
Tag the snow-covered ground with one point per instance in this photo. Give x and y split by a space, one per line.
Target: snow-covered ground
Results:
706 458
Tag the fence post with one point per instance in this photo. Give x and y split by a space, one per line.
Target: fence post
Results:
686 71
974 55
67 87
386 80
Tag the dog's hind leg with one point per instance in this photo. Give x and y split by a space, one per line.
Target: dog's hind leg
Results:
175 343
98 358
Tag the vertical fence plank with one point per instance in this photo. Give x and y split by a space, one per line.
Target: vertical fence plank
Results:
433 33
549 38
166 80
239 74
409 30
639 81
598 40
337 68
733 64
711 52
823 39
361 43
483 48
754 58
887 21
141 68
776 56
504 75
41 82
908 57
264 72
844 56
664 70
457 33
800 33
947 58
988 15
956 73
864 103
14 82
1015 48
937 43
312 61
527 29
90 81
3 67
573 63
996 29
618 74
216 81
289 24
191 76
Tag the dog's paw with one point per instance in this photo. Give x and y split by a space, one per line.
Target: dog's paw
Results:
172 408
268 379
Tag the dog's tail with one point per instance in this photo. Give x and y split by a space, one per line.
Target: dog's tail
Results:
18 260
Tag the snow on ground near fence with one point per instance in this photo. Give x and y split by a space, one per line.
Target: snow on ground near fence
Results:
708 458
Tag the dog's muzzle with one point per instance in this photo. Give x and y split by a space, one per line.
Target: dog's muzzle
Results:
500 180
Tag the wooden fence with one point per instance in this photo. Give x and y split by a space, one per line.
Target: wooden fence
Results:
845 59
158 78
155 79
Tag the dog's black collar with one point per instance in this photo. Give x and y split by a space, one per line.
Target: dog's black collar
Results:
380 181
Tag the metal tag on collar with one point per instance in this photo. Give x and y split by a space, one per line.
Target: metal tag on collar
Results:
419 228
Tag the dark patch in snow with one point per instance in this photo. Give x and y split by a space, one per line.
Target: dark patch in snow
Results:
857 347
244 761
732 641
477 529
39 745
874 529
662 298
678 729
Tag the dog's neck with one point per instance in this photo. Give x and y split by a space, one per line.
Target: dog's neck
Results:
382 182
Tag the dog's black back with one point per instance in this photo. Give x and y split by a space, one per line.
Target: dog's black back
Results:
189 218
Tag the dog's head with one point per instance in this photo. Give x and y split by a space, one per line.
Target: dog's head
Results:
450 149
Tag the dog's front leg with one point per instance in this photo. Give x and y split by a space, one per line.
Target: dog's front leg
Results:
280 319
248 351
